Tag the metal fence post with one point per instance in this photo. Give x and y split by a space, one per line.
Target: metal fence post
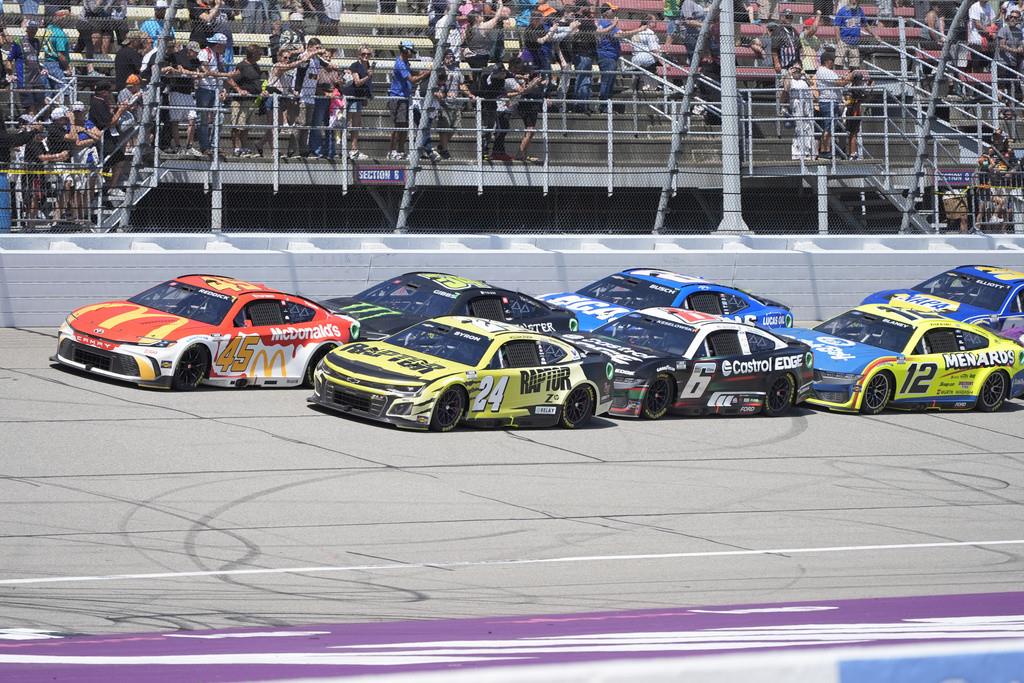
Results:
344 155
216 195
544 123
611 148
732 203
479 147
822 200
276 142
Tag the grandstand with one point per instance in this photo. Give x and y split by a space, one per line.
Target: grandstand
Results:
602 170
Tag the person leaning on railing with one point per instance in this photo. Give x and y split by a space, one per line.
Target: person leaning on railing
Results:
282 84
357 94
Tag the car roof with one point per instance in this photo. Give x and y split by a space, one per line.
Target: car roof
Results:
470 282
993 273
682 315
907 315
664 277
227 285
492 329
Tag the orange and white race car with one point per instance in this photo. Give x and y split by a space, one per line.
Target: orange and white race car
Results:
203 329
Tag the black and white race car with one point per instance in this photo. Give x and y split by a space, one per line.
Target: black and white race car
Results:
691 363
405 300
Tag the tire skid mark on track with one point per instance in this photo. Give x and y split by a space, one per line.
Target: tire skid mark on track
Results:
908 428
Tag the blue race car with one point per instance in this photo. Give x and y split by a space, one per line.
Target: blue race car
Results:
637 288
983 295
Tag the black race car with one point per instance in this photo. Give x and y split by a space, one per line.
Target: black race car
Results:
395 304
694 363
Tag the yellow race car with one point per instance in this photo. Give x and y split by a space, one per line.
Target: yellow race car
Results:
877 356
443 371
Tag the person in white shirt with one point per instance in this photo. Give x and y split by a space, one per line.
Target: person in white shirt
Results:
801 102
979 17
829 85
646 50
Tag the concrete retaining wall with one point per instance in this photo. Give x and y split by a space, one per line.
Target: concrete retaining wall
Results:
43 277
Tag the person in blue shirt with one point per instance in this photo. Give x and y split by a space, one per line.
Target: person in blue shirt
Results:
400 93
850 19
28 69
609 49
155 26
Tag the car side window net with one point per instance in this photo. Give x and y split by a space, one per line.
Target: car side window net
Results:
723 343
732 304
705 302
265 313
520 354
550 354
941 341
972 341
487 307
759 343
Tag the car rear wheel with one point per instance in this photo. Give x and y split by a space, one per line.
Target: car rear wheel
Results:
993 393
657 398
780 396
448 409
314 361
191 369
876 394
578 407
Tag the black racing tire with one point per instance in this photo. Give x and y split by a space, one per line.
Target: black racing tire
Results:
877 393
192 368
993 392
314 361
658 398
578 407
781 394
449 409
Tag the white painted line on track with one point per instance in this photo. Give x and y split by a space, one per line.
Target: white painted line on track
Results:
505 563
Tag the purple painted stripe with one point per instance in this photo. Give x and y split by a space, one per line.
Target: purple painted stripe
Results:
350 649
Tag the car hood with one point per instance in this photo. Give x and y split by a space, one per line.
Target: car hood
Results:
388 363
591 313
125 322
914 300
832 354
376 322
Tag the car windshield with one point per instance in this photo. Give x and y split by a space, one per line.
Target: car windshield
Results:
449 343
630 292
194 303
413 296
873 330
652 333
966 289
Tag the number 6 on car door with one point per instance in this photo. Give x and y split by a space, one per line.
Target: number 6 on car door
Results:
491 393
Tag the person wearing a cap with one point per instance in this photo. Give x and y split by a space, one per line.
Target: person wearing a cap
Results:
357 94
609 49
214 69
829 85
28 69
810 44
294 34
785 44
478 39
9 140
181 91
128 59
212 21
154 27
84 136
403 82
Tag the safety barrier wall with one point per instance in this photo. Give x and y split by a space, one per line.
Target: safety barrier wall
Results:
42 277
991 662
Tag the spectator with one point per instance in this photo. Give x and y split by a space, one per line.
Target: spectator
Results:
763 11
850 19
281 83
646 51
128 60
214 69
785 43
84 136
155 27
10 140
105 17
181 98
479 41
936 25
692 17
325 77
331 16
450 113
584 47
57 53
400 94
562 39
609 48
246 86
489 87
336 117
534 36
5 72
810 44
257 13
852 113
980 18
214 21
453 43
357 94
28 71
57 157
528 89
801 102
829 85
1011 52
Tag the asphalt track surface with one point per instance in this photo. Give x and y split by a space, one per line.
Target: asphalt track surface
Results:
249 508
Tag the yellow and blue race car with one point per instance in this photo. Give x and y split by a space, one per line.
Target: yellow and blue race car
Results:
440 372
877 356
